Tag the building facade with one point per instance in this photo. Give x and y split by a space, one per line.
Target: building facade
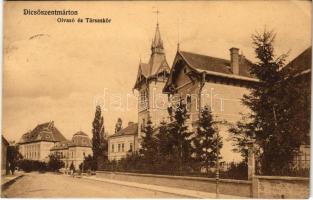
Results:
201 80
151 78
36 144
73 151
123 142
300 70
46 139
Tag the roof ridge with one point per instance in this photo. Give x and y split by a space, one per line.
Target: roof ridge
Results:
205 55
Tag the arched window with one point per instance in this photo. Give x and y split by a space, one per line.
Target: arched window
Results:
188 98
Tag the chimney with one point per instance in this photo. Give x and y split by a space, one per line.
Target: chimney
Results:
234 60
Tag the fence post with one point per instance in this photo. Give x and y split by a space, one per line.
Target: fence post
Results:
251 170
251 159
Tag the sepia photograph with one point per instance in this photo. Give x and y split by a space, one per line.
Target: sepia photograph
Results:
156 99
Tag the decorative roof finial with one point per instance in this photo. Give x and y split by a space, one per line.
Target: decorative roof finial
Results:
157 14
157 43
178 35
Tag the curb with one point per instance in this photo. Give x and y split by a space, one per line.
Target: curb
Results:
170 190
5 185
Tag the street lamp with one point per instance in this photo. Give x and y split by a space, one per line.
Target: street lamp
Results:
217 171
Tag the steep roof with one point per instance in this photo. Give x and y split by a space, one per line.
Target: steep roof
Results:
79 139
43 132
157 63
301 64
208 63
4 141
144 69
217 67
157 41
131 129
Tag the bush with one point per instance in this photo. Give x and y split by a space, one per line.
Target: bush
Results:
72 167
55 163
236 171
32 165
90 163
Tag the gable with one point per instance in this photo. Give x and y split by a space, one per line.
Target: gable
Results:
214 69
213 64
43 132
301 63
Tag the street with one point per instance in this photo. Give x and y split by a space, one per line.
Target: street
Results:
49 185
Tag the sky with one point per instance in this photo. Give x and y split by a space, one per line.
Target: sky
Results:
66 69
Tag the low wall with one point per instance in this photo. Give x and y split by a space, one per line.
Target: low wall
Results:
280 187
226 186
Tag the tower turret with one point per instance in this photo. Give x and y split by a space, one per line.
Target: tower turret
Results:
157 43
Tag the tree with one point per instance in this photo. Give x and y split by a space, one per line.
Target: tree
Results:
241 134
13 156
55 163
118 125
99 142
72 167
269 120
149 145
179 135
89 163
206 140
163 138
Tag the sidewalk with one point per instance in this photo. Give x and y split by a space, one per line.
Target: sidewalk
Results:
171 190
7 180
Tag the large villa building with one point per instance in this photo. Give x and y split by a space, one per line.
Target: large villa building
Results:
200 80
46 139
218 83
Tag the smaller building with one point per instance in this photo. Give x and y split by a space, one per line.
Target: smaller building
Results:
36 144
73 151
123 142
4 151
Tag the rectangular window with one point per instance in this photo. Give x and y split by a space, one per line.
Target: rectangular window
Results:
122 147
131 147
119 148
112 147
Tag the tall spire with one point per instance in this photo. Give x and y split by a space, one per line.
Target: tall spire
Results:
157 43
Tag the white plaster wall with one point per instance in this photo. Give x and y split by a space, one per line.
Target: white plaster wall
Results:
126 140
36 150
225 102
